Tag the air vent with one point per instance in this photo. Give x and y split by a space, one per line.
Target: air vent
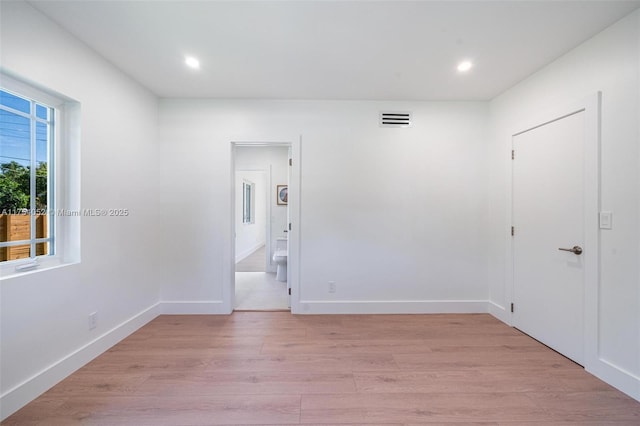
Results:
395 119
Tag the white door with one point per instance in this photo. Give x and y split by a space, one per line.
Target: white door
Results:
290 160
548 215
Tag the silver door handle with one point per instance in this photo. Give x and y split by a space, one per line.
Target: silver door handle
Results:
575 250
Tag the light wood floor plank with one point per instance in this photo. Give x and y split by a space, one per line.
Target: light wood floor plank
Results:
99 384
173 410
420 408
589 406
498 357
309 346
459 381
322 363
246 383
145 361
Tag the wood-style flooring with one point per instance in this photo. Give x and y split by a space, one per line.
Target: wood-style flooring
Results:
277 368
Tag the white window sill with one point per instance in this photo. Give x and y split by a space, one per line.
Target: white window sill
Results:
8 269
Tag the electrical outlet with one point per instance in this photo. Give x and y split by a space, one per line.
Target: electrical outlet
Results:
93 320
332 286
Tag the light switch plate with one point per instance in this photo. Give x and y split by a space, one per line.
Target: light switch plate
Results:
606 220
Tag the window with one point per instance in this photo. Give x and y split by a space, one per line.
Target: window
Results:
248 211
39 178
26 184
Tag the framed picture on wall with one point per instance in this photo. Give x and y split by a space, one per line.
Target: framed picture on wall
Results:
282 194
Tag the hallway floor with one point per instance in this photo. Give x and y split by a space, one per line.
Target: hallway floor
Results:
255 262
260 291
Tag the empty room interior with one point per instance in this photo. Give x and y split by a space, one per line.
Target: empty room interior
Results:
319 212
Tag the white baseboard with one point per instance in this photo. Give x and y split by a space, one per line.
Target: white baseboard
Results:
248 252
208 307
19 396
617 377
393 307
500 312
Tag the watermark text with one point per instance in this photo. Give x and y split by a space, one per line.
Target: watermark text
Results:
68 212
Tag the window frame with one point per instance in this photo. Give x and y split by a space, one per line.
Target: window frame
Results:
248 208
63 190
33 118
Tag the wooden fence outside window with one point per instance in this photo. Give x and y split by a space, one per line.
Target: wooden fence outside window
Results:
15 227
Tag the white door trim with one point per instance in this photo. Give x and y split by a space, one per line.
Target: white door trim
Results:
293 259
591 108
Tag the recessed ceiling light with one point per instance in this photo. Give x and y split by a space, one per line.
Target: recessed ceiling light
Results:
192 62
464 66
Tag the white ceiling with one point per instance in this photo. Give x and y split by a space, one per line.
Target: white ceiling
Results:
385 50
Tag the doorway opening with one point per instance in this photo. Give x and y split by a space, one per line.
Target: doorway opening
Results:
261 220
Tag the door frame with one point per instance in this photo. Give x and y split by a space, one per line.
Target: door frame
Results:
591 108
293 257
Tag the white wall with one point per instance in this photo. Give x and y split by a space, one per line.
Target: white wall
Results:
251 236
394 216
610 62
44 315
274 159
